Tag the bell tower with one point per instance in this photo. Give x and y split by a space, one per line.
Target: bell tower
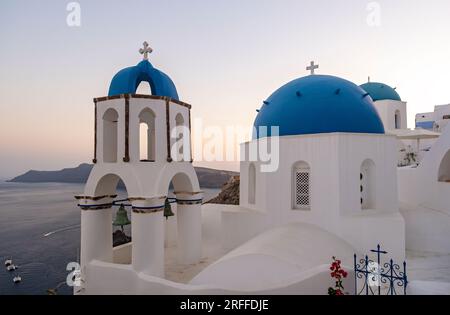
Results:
143 141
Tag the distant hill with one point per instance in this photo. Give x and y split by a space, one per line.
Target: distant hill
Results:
208 178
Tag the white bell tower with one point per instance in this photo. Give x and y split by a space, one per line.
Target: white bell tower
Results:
147 163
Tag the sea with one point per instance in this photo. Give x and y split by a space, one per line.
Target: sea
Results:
40 232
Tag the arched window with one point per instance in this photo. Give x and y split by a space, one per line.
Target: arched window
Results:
252 184
110 120
444 169
367 185
301 186
179 122
147 136
398 120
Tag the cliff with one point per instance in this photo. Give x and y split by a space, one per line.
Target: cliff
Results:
208 178
229 194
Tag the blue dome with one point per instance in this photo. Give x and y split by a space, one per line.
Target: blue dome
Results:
379 91
319 104
127 80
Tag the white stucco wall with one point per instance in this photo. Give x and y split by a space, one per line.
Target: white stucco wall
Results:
425 202
387 109
112 279
275 257
335 164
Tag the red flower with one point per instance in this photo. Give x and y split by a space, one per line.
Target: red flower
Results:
337 273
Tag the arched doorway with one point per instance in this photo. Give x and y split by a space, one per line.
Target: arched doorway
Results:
444 169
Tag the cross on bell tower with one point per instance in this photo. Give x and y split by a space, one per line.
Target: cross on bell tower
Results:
312 67
146 50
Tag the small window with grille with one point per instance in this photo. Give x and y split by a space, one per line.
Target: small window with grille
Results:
301 191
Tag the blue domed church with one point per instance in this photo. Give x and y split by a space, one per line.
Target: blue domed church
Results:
387 101
320 155
319 104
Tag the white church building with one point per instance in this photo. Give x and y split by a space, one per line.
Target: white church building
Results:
336 190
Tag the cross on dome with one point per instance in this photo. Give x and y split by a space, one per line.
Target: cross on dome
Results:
146 50
312 67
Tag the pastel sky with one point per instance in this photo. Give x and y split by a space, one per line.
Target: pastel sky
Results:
225 56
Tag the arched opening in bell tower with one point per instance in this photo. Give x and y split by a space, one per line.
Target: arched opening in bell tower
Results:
147 136
180 138
183 226
119 223
110 133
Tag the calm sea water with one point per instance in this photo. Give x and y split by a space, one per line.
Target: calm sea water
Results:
40 231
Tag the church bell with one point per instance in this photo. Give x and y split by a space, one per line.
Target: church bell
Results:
168 209
121 217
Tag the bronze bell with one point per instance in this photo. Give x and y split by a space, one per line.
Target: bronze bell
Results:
121 217
168 209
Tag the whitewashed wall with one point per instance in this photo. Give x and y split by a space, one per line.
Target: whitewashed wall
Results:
111 279
387 108
425 202
335 161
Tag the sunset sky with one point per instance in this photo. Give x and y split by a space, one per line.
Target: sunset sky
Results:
225 57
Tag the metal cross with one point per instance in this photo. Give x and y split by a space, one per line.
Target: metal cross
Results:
146 50
379 272
378 251
312 67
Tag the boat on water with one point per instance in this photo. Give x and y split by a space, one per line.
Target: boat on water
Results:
17 279
8 262
11 267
